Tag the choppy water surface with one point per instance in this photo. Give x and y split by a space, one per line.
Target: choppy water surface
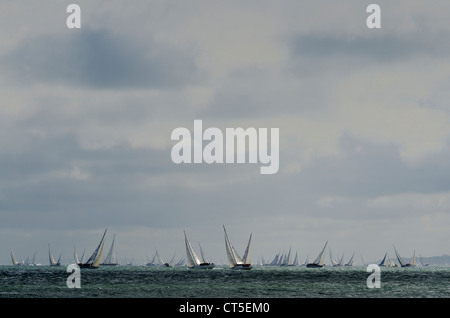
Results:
261 282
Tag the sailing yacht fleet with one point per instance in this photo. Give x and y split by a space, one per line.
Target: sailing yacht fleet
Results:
198 260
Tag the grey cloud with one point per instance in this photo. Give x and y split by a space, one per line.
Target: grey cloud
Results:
380 48
100 59
39 182
365 169
254 92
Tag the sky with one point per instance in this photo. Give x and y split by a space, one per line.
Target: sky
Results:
86 117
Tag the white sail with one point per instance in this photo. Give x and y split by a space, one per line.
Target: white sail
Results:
413 261
234 260
111 256
233 257
202 255
159 259
247 253
333 261
192 257
400 260
350 262
295 262
51 259
319 261
152 262
193 260
287 259
13 259
75 256
321 258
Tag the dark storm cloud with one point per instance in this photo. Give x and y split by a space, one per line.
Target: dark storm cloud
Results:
100 59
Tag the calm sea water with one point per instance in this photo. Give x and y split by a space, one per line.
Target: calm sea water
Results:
261 282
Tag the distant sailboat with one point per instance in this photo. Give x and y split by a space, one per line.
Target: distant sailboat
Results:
334 262
402 263
384 262
422 262
52 260
110 259
350 262
234 260
193 260
319 261
14 260
413 261
295 262
94 260
76 258
158 261
286 260
152 262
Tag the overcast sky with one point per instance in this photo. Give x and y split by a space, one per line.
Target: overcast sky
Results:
86 117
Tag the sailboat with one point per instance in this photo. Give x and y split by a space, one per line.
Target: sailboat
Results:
421 261
234 260
52 260
319 261
350 262
384 261
94 260
110 259
334 262
14 261
193 260
75 256
295 262
402 263
152 262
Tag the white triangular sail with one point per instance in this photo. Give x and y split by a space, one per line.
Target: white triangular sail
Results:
413 261
192 257
75 256
13 259
295 262
51 259
350 262
111 256
247 253
333 261
321 258
234 260
202 255
399 258
233 257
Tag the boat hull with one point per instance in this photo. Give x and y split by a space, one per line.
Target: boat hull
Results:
312 265
242 267
203 266
90 266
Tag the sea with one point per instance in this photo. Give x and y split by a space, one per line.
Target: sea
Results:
258 289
